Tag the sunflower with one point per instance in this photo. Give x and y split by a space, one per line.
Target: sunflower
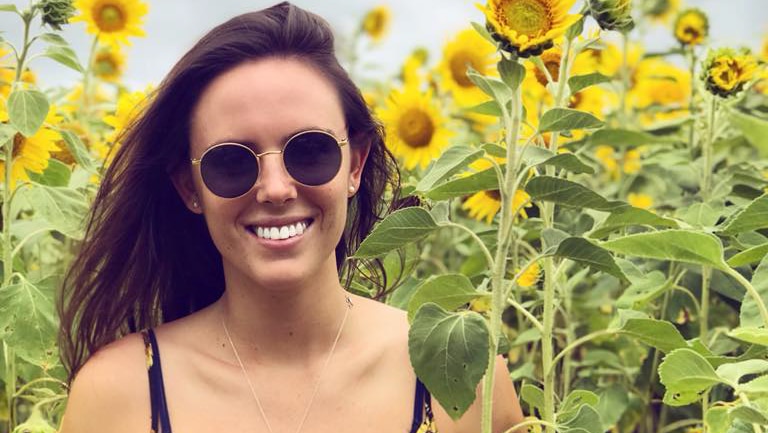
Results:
109 63
661 11
551 60
528 27
112 20
484 205
628 163
129 106
376 22
31 154
412 73
416 131
530 276
467 49
691 27
643 201
661 89
726 71
612 14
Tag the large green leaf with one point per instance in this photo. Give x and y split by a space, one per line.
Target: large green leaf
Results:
451 161
749 256
750 334
573 402
585 252
78 151
731 373
565 119
753 217
491 86
625 138
656 333
644 289
587 420
6 133
511 72
63 208
28 322
64 55
449 353
580 82
750 313
481 181
449 291
570 162
27 110
755 387
674 245
717 419
533 395
56 174
625 216
396 230
568 193
686 375
753 128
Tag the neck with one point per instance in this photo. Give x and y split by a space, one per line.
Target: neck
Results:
288 326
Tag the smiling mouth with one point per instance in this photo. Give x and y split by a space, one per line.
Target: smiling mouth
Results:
281 232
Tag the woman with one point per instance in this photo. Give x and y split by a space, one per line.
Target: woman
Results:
220 231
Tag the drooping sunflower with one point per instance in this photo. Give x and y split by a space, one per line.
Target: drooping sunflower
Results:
416 128
113 20
528 27
467 49
661 11
691 27
376 22
726 71
31 154
109 63
612 14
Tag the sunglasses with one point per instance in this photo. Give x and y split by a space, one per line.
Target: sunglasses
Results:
311 158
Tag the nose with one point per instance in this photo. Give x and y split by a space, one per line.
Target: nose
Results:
274 184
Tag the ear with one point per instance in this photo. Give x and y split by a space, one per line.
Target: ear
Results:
185 187
358 156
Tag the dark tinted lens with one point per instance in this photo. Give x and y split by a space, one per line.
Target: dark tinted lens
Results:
312 158
229 170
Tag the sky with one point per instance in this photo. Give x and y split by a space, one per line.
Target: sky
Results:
172 27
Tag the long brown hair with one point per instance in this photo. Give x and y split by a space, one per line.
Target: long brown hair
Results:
140 262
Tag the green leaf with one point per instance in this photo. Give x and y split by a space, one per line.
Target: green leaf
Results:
568 193
753 217
587 420
686 375
731 373
674 245
749 413
511 72
748 256
659 334
566 119
56 174
625 138
575 29
78 151
750 334
63 208
755 387
396 230
482 181
717 419
449 291
533 395
64 55
479 28
585 252
489 108
700 215
495 150
27 110
750 314
449 352
625 216
614 401
573 403
453 160
644 290
54 39
490 86
570 162
8 8
580 82
6 133
28 322
753 128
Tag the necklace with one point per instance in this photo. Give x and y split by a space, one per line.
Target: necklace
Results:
317 381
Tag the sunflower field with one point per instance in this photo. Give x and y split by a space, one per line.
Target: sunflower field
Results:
593 211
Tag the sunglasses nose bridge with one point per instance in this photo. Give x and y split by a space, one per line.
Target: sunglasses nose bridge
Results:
274 183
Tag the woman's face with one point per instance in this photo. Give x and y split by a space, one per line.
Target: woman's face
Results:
261 104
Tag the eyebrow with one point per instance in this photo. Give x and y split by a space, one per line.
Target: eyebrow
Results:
283 139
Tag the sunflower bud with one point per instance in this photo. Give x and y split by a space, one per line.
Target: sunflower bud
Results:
612 14
56 12
691 27
376 22
726 71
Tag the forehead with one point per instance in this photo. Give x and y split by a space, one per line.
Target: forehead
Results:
262 100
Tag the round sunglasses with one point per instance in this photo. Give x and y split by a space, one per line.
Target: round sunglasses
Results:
311 158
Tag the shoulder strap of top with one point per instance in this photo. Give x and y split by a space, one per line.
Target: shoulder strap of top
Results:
156 389
423 419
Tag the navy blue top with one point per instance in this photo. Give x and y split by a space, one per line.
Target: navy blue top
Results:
422 402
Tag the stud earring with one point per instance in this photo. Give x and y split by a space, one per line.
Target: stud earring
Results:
195 203
351 189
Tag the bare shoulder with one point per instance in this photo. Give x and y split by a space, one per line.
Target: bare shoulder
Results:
111 390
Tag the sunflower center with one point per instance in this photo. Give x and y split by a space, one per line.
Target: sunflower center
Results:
110 17
493 194
527 17
18 145
460 63
416 128
105 65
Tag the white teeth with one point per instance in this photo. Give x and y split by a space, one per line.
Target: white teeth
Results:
283 232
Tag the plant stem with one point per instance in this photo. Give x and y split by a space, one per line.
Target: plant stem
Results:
473 235
579 342
751 291
691 105
707 151
706 274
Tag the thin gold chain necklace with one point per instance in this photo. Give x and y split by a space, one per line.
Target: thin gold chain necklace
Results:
317 381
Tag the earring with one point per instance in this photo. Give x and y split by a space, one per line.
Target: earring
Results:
195 204
351 188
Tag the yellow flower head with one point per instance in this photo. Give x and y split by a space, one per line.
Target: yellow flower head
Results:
643 201
129 106
530 276
551 60
484 205
376 22
31 154
726 71
412 74
415 127
109 63
661 11
657 83
528 27
113 20
691 27
466 49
